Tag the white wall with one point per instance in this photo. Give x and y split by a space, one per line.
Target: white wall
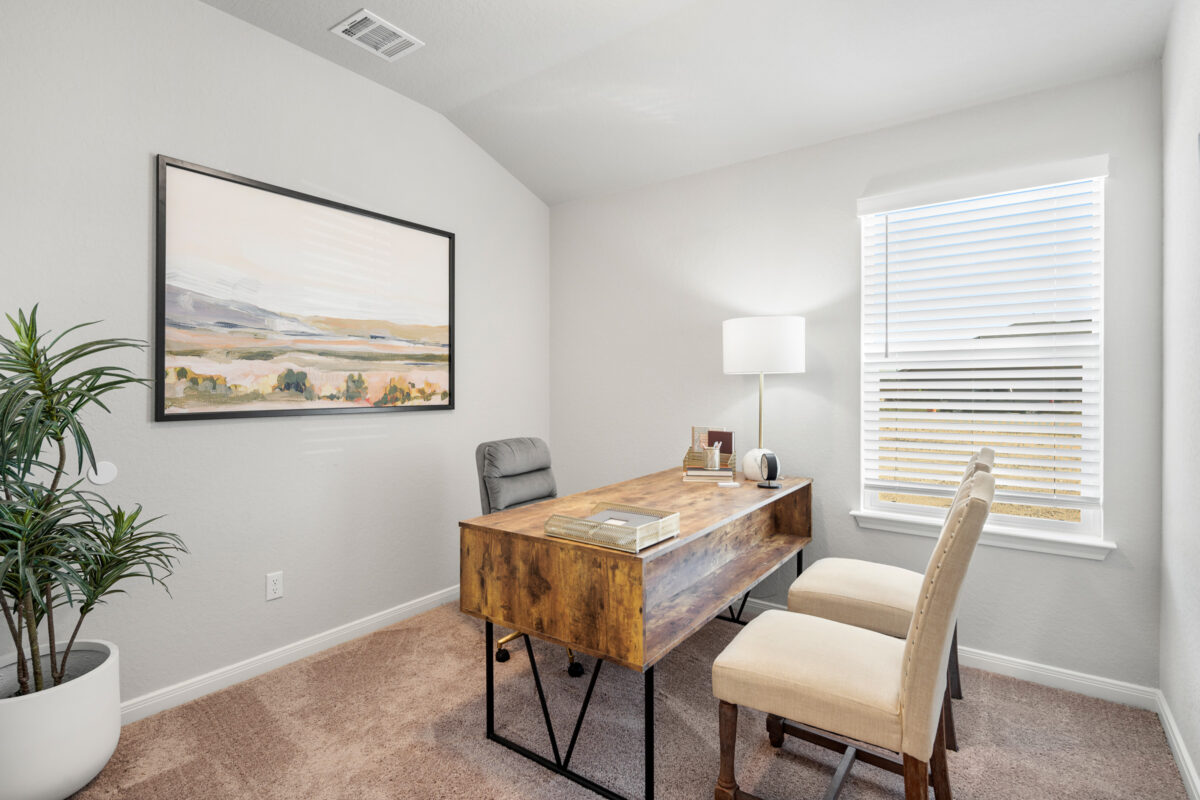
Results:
641 281
1180 636
359 512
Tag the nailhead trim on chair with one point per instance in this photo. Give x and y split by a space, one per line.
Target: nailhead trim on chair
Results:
919 613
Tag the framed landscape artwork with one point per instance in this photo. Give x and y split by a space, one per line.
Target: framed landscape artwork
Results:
272 302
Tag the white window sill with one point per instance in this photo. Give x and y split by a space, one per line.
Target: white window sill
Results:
993 535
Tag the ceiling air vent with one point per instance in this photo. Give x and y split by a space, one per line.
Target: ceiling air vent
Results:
383 39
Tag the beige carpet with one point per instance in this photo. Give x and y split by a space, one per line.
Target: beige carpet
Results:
400 713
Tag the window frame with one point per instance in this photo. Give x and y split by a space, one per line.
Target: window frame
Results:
1084 539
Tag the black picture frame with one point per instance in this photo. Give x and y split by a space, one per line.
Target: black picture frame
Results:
164 164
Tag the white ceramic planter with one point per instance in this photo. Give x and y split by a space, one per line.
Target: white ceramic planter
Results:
54 741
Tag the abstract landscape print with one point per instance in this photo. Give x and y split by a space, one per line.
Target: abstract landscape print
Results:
273 302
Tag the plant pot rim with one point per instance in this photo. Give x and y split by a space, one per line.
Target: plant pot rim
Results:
10 660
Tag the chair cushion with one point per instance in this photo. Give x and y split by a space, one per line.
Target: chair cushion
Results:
877 597
517 490
825 674
514 457
514 472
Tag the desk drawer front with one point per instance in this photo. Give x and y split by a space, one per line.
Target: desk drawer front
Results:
576 595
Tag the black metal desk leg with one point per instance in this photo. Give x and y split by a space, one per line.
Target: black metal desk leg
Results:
559 764
799 563
648 734
737 617
491 690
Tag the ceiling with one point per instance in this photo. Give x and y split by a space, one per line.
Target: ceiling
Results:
585 97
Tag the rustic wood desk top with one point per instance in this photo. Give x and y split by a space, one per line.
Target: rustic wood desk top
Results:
631 608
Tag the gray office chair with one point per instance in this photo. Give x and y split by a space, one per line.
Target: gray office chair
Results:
516 472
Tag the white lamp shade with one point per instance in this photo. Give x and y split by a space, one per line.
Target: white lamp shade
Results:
763 344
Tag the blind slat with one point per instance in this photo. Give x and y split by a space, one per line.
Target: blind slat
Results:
876 236
914 423
1003 494
1045 447
1080 225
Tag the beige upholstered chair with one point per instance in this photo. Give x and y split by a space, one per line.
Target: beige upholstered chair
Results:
878 597
819 679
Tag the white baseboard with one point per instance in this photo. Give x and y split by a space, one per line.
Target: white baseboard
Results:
182 692
1131 694
1187 767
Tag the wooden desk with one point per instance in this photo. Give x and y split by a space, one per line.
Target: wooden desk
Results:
631 609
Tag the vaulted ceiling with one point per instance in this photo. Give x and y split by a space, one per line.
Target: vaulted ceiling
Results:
585 97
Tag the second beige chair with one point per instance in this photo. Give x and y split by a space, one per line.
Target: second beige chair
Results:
878 597
818 679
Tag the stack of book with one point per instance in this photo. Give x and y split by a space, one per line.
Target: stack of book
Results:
705 475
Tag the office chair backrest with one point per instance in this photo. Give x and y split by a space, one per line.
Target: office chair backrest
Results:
514 472
927 648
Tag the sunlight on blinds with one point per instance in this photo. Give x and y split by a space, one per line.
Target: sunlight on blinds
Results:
982 326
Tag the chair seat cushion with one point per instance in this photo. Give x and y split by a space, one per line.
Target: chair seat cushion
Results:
864 594
821 673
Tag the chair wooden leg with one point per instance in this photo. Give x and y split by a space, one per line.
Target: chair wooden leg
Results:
775 730
937 763
916 779
948 722
727 788
954 677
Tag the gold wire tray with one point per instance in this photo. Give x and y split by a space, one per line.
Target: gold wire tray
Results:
627 537
693 459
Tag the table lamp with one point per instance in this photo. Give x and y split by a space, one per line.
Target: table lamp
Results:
762 345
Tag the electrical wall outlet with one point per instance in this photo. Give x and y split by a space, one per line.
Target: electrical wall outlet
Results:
274 585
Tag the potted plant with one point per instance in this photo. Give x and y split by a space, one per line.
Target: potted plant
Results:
61 548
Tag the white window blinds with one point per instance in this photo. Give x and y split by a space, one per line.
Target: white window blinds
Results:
982 326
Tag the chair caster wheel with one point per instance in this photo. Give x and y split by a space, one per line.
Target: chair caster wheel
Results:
501 655
575 670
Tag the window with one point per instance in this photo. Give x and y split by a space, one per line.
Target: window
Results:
982 325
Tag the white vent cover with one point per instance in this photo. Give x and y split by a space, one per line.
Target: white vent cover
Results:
369 32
